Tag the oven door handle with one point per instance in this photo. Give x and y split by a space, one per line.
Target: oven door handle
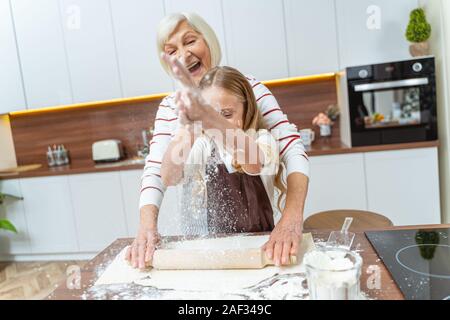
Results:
391 84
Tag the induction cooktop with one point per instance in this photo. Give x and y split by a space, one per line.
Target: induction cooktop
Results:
418 260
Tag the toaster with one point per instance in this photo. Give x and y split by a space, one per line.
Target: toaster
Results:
107 151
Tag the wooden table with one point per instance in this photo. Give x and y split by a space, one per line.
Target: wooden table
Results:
371 264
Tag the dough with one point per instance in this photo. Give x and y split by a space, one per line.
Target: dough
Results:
226 281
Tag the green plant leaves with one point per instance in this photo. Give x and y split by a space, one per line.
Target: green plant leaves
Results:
3 196
6 225
419 30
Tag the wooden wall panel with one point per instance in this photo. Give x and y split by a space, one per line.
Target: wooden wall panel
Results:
78 129
303 102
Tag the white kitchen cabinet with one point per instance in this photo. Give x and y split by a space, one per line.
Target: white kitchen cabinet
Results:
210 10
404 185
42 53
336 182
49 215
12 96
373 31
13 210
311 44
91 50
98 209
169 213
131 185
255 37
135 24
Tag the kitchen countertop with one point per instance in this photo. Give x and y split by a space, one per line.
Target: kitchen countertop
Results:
320 147
388 291
77 167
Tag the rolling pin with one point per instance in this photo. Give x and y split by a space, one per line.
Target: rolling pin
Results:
168 259
208 259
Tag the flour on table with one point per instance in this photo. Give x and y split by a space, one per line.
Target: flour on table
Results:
225 281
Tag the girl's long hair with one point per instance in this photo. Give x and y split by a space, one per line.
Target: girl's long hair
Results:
237 84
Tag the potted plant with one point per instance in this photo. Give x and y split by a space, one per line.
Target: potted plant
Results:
4 223
418 32
324 120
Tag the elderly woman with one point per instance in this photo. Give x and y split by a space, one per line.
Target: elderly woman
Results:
189 48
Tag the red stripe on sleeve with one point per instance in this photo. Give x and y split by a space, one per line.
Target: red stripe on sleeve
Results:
152 161
168 120
265 95
270 111
162 134
151 175
289 143
292 136
256 84
281 122
142 190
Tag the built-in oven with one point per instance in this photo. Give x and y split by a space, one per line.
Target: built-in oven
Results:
389 103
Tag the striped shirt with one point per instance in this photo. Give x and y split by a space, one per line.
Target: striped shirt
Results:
291 149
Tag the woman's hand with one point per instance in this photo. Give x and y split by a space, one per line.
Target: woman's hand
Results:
140 254
287 234
284 240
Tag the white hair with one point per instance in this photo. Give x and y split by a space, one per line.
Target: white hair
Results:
168 25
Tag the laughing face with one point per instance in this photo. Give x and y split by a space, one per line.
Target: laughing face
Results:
191 49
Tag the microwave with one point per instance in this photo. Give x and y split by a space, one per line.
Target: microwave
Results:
388 103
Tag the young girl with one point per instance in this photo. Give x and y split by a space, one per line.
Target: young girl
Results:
235 180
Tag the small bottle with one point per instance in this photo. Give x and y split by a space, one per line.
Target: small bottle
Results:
50 157
65 155
59 156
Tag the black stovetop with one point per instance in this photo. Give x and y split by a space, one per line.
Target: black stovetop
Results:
418 260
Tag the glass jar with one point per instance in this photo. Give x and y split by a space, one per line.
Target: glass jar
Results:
333 274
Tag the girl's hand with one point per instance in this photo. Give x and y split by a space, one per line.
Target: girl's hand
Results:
181 111
179 71
284 241
191 105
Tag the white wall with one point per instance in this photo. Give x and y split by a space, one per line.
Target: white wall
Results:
373 31
438 14
70 51
42 52
12 95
